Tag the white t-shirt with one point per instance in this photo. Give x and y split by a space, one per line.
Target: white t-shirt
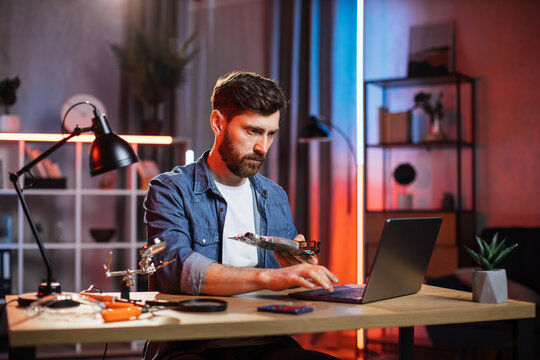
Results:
238 220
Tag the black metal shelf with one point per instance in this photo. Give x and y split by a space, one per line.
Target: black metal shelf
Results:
460 145
422 81
428 145
418 211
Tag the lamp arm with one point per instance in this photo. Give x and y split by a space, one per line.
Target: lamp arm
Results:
14 178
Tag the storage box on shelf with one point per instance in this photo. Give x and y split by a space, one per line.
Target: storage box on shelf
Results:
66 215
443 162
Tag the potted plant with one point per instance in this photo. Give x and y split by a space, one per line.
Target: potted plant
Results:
489 285
8 97
154 67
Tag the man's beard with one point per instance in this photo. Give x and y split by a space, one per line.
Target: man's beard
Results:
237 164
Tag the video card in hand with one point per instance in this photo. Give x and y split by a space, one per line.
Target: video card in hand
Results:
280 244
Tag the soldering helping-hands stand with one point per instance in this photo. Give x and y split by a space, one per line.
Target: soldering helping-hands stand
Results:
146 264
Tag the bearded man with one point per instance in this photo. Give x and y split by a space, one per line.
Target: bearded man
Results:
197 207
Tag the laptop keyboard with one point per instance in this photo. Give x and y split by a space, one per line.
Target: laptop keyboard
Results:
349 293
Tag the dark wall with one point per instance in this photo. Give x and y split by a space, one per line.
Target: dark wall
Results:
58 49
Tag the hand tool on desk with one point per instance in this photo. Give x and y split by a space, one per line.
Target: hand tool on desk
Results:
117 309
121 311
111 299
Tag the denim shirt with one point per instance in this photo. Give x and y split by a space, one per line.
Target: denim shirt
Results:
185 209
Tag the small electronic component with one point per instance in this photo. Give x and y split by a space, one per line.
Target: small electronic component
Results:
279 244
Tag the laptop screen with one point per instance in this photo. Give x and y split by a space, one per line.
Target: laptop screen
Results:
399 267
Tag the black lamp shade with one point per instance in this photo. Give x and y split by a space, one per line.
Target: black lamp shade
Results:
314 131
110 152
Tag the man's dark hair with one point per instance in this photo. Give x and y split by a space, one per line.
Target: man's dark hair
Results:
237 92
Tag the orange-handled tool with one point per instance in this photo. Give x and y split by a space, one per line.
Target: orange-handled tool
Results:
100 297
116 309
121 313
118 305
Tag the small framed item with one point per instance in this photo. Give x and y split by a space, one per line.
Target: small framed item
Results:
286 309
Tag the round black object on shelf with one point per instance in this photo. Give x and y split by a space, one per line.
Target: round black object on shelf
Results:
102 235
404 174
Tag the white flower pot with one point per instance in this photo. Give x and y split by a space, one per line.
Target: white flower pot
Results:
490 286
10 123
405 201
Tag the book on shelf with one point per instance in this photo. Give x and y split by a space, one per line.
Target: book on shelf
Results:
147 169
5 272
394 127
45 174
55 171
32 154
45 169
2 171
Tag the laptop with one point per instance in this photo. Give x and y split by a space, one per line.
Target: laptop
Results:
399 267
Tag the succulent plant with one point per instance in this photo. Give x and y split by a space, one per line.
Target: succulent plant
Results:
491 254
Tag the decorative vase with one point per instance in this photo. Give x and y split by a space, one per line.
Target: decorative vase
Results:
419 125
447 202
490 286
405 201
435 132
10 123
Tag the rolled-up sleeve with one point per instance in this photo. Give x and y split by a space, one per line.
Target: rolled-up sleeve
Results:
165 218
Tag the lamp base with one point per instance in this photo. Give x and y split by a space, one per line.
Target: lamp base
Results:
24 300
48 289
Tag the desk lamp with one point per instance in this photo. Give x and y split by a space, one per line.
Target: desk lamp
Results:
317 130
107 152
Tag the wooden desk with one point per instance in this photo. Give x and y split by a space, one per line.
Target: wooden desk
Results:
431 306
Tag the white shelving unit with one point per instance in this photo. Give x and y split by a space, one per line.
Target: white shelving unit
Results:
77 193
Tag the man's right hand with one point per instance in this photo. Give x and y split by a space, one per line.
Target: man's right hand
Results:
225 280
304 275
